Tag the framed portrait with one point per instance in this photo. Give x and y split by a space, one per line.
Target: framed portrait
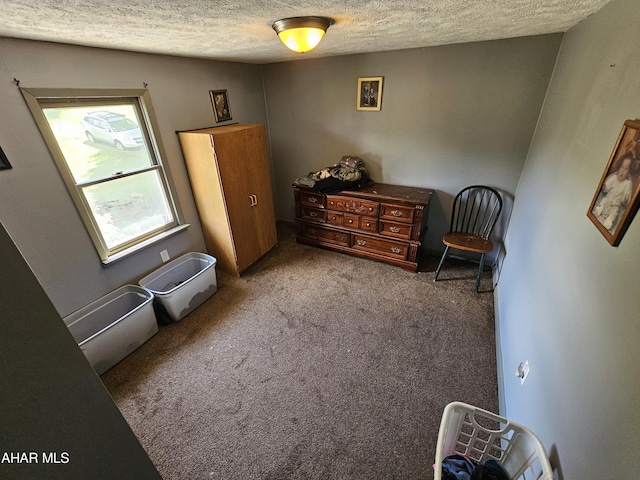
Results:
616 200
220 102
369 93
4 162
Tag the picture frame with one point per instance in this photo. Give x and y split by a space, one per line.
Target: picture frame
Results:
220 103
369 93
617 197
4 161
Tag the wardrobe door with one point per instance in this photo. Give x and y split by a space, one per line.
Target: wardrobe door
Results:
236 152
260 186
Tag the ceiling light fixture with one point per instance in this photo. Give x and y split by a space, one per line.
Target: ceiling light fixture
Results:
302 34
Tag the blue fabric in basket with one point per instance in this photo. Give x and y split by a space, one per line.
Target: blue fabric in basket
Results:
457 467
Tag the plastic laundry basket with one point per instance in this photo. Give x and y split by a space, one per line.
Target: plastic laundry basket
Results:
481 435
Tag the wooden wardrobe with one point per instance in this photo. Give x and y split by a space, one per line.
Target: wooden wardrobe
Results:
230 177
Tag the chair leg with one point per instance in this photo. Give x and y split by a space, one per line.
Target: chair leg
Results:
441 262
480 270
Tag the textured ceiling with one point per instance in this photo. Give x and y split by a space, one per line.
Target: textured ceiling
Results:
241 30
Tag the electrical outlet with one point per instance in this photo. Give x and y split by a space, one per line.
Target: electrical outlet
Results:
523 372
164 255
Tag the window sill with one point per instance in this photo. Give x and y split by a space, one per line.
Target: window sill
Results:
142 245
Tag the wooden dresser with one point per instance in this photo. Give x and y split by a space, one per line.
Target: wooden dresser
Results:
380 222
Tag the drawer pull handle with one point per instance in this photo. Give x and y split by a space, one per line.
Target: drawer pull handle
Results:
371 209
396 250
313 214
313 200
368 224
350 221
394 229
340 238
396 213
362 243
253 200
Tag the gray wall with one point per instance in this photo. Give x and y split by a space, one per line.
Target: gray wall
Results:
567 301
451 116
36 208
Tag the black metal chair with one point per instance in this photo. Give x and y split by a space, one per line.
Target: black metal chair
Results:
475 212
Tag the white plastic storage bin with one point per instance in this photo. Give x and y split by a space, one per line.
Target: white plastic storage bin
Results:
183 284
481 435
113 326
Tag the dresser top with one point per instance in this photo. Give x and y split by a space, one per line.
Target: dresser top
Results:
381 191
384 191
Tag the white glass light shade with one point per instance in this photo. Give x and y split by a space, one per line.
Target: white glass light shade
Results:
301 39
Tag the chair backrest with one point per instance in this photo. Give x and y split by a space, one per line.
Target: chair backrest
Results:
476 210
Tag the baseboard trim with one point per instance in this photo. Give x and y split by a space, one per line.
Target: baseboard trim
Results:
499 361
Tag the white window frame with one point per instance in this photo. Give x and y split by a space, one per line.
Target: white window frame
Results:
39 98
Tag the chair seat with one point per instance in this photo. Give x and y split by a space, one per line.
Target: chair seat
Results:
468 242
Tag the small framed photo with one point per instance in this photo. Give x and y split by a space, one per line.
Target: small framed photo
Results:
369 93
220 102
4 162
616 200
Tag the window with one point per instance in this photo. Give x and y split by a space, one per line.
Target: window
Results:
111 161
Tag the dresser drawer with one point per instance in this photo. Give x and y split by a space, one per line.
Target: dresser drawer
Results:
336 237
312 199
334 218
314 214
368 224
388 248
397 213
350 221
395 229
353 205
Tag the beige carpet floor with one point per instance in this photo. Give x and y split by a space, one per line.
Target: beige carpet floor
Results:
312 365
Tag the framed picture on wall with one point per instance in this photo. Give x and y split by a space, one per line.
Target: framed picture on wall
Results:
617 198
4 162
220 102
369 93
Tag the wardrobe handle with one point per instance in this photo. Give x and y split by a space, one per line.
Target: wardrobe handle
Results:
253 200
